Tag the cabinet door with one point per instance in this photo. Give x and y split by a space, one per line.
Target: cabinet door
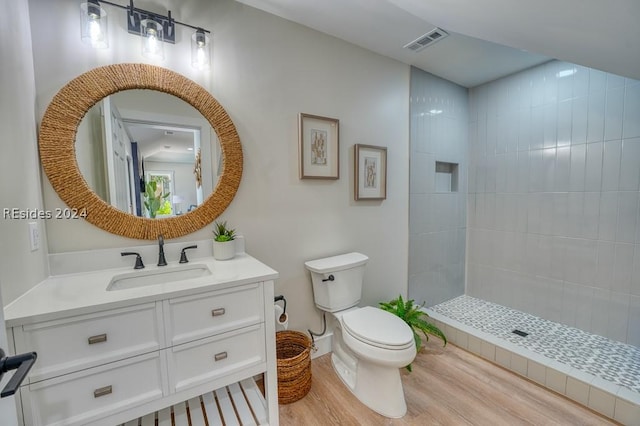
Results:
203 315
85 341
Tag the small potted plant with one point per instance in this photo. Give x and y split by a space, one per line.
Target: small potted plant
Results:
224 245
413 315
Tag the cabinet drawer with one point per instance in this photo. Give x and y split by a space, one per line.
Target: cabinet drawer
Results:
202 315
207 359
75 399
85 341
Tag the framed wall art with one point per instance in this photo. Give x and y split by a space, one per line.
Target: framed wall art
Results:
370 172
318 146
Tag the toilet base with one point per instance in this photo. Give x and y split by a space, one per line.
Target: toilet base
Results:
378 387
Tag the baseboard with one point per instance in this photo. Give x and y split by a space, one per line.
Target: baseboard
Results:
322 344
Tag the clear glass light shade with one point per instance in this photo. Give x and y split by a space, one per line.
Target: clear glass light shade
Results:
200 50
152 39
93 25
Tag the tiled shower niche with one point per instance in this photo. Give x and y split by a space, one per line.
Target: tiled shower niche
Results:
446 177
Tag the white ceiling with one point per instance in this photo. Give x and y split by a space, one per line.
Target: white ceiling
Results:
601 34
163 143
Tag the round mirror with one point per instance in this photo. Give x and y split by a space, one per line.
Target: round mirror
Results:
62 122
135 139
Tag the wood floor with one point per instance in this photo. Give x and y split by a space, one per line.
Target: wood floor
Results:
448 386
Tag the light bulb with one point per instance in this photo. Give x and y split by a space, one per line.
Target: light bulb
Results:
201 56
152 42
95 32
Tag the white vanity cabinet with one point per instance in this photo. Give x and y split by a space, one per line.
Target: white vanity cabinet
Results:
117 364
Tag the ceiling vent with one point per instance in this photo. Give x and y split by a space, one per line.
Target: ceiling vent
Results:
429 38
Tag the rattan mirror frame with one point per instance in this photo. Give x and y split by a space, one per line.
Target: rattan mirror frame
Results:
58 155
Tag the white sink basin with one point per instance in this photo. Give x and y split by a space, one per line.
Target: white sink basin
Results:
158 276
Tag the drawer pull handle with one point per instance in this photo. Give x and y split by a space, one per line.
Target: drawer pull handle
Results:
98 339
102 391
220 356
217 312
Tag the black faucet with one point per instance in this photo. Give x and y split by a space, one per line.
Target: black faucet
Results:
139 264
183 254
161 260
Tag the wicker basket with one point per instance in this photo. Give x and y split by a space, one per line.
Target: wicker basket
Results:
293 350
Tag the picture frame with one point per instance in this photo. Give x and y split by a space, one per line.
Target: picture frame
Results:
319 147
370 172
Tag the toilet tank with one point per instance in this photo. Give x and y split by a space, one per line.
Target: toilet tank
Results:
337 280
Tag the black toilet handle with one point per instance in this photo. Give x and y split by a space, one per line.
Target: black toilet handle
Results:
330 278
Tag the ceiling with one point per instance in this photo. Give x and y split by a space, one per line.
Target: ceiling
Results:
487 39
163 143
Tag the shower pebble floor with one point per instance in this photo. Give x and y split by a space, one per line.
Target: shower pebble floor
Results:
615 362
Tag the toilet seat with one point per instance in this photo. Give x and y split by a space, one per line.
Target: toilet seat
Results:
378 328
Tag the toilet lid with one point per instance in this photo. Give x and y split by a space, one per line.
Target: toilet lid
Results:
378 328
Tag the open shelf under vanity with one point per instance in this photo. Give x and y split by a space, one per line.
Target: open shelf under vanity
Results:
240 403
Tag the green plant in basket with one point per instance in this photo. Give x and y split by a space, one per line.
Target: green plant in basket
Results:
222 233
413 315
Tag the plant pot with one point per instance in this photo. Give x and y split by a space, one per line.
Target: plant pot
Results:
224 250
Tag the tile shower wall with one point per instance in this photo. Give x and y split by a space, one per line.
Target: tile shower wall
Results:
553 197
437 216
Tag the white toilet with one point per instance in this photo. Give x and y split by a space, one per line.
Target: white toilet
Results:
369 345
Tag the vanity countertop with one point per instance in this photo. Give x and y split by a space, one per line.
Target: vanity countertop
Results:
81 293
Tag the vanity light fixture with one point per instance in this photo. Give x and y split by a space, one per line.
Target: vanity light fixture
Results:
154 29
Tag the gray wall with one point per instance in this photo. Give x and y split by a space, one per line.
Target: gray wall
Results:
437 219
20 268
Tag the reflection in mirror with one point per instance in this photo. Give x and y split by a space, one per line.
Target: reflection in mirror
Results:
148 153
